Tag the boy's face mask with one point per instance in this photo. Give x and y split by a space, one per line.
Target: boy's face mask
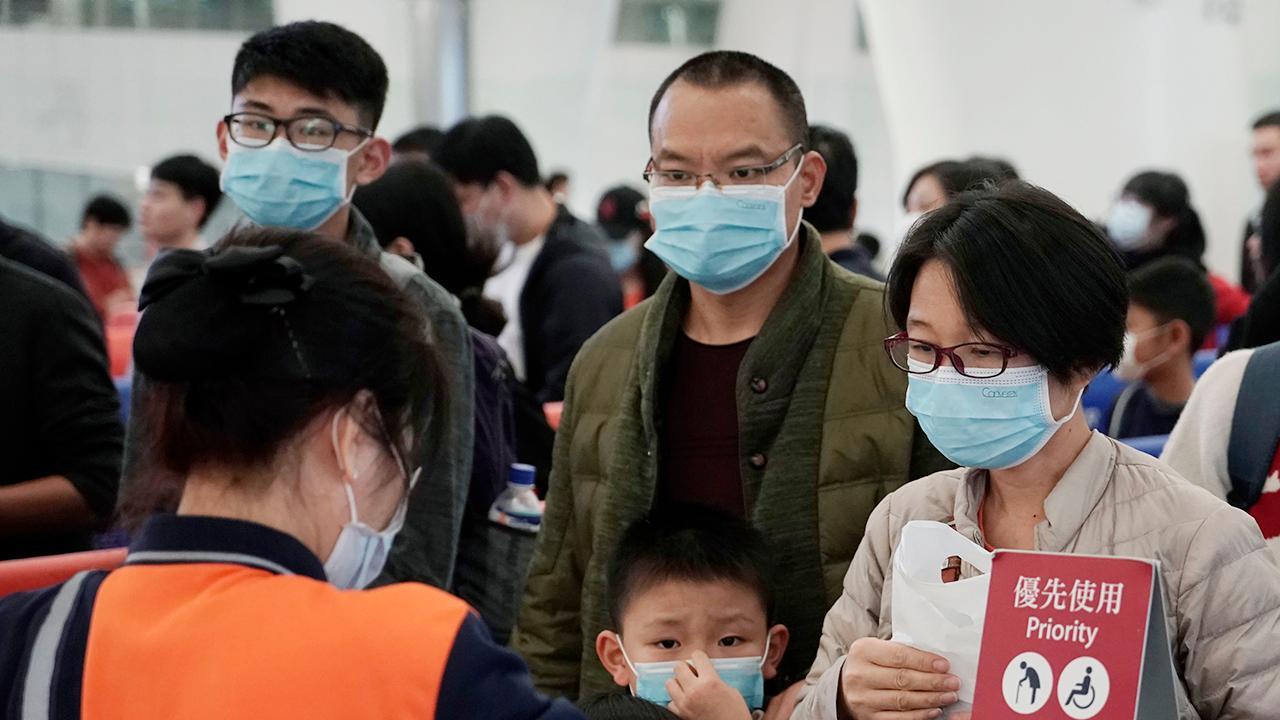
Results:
745 674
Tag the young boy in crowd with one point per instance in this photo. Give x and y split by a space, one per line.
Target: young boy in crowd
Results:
1171 310
690 601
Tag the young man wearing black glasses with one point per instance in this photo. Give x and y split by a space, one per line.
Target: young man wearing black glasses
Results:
300 136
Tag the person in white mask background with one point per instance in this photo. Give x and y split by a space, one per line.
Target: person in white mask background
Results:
1170 313
290 378
1153 217
299 136
1009 303
751 382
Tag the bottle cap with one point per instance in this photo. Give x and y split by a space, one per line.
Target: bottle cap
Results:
522 474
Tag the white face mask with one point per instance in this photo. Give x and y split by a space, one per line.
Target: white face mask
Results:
1129 369
361 552
1128 223
485 241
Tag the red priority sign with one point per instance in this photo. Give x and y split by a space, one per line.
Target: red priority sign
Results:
1073 637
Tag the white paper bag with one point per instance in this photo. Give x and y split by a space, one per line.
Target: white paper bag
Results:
938 617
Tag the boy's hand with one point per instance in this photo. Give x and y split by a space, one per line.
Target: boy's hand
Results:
698 693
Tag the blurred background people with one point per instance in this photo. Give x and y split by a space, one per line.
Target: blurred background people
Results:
420 143
835 213
181 195
32 250
1170 314
1153 218
1266 167
558 185
104 221
555 285
623 217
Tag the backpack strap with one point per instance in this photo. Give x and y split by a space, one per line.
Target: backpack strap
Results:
1255 427
55 670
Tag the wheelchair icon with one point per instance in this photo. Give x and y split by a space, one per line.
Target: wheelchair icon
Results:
1083 688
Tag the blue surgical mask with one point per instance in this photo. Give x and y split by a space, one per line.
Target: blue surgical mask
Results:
623 255
1127 224
721 239
282 186
989 423
361 552
745 674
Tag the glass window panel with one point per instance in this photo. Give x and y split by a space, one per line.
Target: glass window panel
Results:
668 22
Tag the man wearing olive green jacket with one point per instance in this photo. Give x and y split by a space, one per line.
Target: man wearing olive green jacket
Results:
754 381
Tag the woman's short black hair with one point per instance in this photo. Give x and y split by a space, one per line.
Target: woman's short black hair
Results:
1029 271
1169 197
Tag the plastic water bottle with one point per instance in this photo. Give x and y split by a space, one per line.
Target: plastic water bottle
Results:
518 507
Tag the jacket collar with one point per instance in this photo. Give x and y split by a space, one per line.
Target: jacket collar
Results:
360 234
1069 504
793 323
178 539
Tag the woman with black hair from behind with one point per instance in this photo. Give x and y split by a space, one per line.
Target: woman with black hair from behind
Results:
289 373
1154 218
414 214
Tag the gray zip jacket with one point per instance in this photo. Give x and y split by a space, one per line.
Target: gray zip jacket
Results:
1221 585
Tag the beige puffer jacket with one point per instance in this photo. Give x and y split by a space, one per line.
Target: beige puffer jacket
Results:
1221 584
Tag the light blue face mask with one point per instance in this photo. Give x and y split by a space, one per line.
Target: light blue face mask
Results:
989 423
745 674
282 186
623 255
721 239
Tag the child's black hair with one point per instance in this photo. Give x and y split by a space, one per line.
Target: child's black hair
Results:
689 543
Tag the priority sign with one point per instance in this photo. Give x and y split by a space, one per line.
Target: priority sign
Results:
1074 637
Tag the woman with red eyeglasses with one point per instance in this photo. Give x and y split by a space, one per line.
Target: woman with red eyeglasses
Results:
1010 302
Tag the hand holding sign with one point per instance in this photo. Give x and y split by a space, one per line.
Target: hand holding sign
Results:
883 679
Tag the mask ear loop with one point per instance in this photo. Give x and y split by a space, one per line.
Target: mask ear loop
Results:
342 465
627 660
786 186
768 638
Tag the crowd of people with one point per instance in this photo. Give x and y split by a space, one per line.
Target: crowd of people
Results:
731 403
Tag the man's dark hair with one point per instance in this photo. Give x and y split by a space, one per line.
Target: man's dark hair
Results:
194 178
984 169
422 139
1029 271
1174 288
688 543
870 242
477 149
722 68
414 200
622 706
106 210
1271 119
833 209
322 58
1169 196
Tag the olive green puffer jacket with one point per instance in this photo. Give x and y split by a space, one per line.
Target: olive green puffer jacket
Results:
823 433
